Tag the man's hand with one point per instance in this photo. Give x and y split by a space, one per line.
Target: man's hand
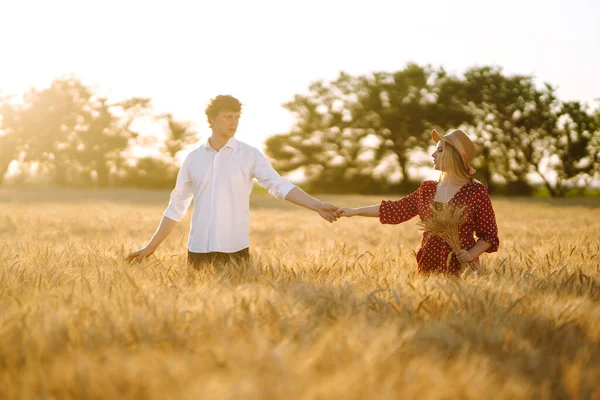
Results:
345 212
327 212
464 256
138 256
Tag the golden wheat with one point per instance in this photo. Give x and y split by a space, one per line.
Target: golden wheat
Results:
322 311
445 222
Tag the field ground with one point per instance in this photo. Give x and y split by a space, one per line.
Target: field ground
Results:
322 312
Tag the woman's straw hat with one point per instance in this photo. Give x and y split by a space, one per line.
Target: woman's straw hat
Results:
461 142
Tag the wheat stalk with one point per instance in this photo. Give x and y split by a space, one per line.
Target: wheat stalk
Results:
445 222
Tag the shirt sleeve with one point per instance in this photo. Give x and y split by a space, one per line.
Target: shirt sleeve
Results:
182 194
395 212
269 179
485 222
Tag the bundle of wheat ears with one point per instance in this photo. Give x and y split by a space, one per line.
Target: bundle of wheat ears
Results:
445 222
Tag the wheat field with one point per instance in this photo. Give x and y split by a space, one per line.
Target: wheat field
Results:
324 311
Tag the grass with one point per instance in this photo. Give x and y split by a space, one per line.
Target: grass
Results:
323 311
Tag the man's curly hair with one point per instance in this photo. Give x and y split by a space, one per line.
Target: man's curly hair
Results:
222 103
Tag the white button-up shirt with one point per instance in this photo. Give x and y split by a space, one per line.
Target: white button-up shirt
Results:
220 184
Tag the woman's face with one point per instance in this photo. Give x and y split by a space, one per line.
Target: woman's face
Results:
437 155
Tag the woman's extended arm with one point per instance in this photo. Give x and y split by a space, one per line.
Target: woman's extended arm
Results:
368 211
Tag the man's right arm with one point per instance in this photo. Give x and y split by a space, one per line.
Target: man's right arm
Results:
179 202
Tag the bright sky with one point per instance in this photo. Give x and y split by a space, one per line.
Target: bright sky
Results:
182 53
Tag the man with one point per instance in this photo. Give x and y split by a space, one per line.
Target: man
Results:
219 175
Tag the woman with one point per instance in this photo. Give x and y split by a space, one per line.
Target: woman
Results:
457 187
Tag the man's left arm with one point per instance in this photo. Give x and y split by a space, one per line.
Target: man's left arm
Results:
282 188
301 198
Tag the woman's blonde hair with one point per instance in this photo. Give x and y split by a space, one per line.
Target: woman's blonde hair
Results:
453 166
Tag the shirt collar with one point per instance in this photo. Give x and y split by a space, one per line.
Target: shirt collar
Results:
232 143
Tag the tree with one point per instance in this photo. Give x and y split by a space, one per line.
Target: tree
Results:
511 118
45 126
573 149
72 134
103 137
357 132
150 173
179 135
9 138
161 171
523 130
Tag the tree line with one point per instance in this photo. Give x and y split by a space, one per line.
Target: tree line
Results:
369 133
356 134
68 135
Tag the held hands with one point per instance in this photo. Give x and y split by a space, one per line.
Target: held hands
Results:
345 212
327 212
332 213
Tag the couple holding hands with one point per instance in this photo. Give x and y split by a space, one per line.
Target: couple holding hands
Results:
219 175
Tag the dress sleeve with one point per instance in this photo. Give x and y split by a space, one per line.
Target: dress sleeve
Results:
397 211
485 221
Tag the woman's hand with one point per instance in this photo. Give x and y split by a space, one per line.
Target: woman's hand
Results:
464 256
345 212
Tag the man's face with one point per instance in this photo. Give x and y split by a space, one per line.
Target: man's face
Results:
225 123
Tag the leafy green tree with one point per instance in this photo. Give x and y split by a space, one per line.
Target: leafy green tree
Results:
10 142
73 135
523 130
572 149
179 135
356 132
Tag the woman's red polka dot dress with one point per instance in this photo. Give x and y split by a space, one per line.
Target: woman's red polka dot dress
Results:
434 251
